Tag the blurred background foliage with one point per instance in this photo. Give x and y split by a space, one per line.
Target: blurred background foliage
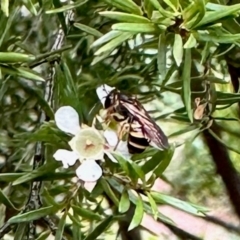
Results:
181 58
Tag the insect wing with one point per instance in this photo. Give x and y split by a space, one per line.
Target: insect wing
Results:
150 129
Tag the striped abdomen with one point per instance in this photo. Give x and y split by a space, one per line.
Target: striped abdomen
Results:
137 142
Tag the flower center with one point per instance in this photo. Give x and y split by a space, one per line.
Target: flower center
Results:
88 143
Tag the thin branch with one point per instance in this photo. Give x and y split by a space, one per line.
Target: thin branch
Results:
217 221
5 229
181 233
224 166
34 200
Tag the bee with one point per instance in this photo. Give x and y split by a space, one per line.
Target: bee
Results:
134 121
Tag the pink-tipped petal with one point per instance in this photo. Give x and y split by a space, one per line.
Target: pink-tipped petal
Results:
89 186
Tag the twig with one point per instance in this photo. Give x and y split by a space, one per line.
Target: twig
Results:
34 200
181 233
224 166
6 228
228 226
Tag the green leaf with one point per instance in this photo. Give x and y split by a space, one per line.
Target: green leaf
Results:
191 42
178 49
75 220
135 27
60 15
161 56
140 174
8 25
60 227
147 207
76 227
32 215
5 7
205 52
122 162
148 8
217 38
159 162
126 5
153 206
85 213
174 4
197 12
152 163
43 235
228 146
185 206
148 152
107 189
13 57
155 4
214 16
187 83
66 7
124 17
88 29
44 170
72 88
30 6
138 214
21 72
166 157
184 130
216 7
10 177
100 228
105 38
6 201
110 46
124 202
227 98
165 13
21 231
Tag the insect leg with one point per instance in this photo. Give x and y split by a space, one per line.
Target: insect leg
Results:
124 128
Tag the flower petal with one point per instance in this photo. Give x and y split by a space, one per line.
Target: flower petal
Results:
67 119
111 137
123 149
103 91
89 186
89 171
68 158
88 143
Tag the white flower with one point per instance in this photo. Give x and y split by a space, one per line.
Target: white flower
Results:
113 141
87 145
103 91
